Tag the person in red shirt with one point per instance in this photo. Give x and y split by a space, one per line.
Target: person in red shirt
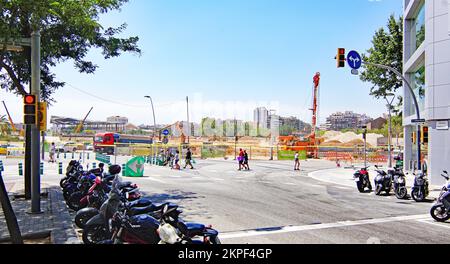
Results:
241 159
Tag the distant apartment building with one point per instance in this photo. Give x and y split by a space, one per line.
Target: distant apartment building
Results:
426 65
117 120
347 120
261 117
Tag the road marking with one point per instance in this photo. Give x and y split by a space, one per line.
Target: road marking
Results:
290 229
174 176
292 184
217 179
430 222
156 180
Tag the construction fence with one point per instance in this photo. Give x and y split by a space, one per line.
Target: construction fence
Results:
345 155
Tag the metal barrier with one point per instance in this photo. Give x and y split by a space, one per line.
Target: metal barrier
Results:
103 158
20 169
60 168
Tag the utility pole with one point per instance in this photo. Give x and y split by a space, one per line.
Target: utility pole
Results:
365 145
188 124
35 137
389 105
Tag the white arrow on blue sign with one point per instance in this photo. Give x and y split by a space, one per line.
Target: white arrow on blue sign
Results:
166 132
354 60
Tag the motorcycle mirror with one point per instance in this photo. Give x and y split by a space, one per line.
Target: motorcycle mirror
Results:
445 172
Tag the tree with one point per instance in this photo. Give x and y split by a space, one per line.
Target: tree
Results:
387 49
69 30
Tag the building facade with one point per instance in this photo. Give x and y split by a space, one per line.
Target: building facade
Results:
261 117
347 120
427 68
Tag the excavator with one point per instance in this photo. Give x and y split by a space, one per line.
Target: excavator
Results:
310 143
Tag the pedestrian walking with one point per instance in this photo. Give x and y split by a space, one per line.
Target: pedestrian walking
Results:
241 159
246 166
52 152
176 166
297 162
189 159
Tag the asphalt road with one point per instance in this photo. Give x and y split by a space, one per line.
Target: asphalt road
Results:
274 204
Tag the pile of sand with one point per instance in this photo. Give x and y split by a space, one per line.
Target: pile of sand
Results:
350 138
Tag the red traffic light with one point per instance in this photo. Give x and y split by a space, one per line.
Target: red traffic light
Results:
341 51
30 99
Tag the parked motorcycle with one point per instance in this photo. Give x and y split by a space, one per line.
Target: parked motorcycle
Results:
400 190
441 209
383 182
420 190
362 180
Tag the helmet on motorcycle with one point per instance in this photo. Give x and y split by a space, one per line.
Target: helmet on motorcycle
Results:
114 169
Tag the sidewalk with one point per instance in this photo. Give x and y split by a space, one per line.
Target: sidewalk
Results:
55 219
344 177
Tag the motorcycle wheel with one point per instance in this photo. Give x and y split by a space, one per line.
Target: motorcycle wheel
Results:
360 187
401 193
95 234
439 213
378 190
418 198
62 182
74 201
82 219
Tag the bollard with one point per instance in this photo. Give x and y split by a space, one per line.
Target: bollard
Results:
73 155
20 169
57 155
65 155
88 155
94 165
123 169
42 168
1 166
60 168
81 157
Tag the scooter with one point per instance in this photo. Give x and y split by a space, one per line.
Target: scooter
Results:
441 209
420 190
383 182
362 180
400 190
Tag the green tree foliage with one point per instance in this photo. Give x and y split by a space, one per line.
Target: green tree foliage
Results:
69 30
387 49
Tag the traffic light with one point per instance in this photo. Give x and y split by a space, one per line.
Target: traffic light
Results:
30 105
42 116
424 135
340 58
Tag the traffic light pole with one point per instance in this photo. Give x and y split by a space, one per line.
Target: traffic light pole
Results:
35 133
419 132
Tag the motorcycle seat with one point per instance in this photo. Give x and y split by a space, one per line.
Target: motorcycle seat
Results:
195 229
149 209
139 203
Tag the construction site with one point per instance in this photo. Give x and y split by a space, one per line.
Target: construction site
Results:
112 138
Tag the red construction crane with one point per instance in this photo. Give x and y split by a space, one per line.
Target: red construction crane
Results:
314 109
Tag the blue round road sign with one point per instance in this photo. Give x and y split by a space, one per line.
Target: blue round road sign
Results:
354 60
166 132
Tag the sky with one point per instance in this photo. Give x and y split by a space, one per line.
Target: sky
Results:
229 57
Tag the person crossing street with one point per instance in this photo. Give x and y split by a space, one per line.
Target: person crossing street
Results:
189 159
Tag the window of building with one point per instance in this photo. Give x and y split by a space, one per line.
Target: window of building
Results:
419 27
418 84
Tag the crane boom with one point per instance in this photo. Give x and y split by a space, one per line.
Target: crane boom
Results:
316 85
80 126
9 117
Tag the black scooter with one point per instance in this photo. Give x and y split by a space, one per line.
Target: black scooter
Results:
362 180
441 210
420 190
383 182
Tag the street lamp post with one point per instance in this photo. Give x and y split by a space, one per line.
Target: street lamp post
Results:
389 105
419 132
154 119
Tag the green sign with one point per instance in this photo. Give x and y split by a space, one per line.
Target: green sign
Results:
290 155
135 167
102 158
